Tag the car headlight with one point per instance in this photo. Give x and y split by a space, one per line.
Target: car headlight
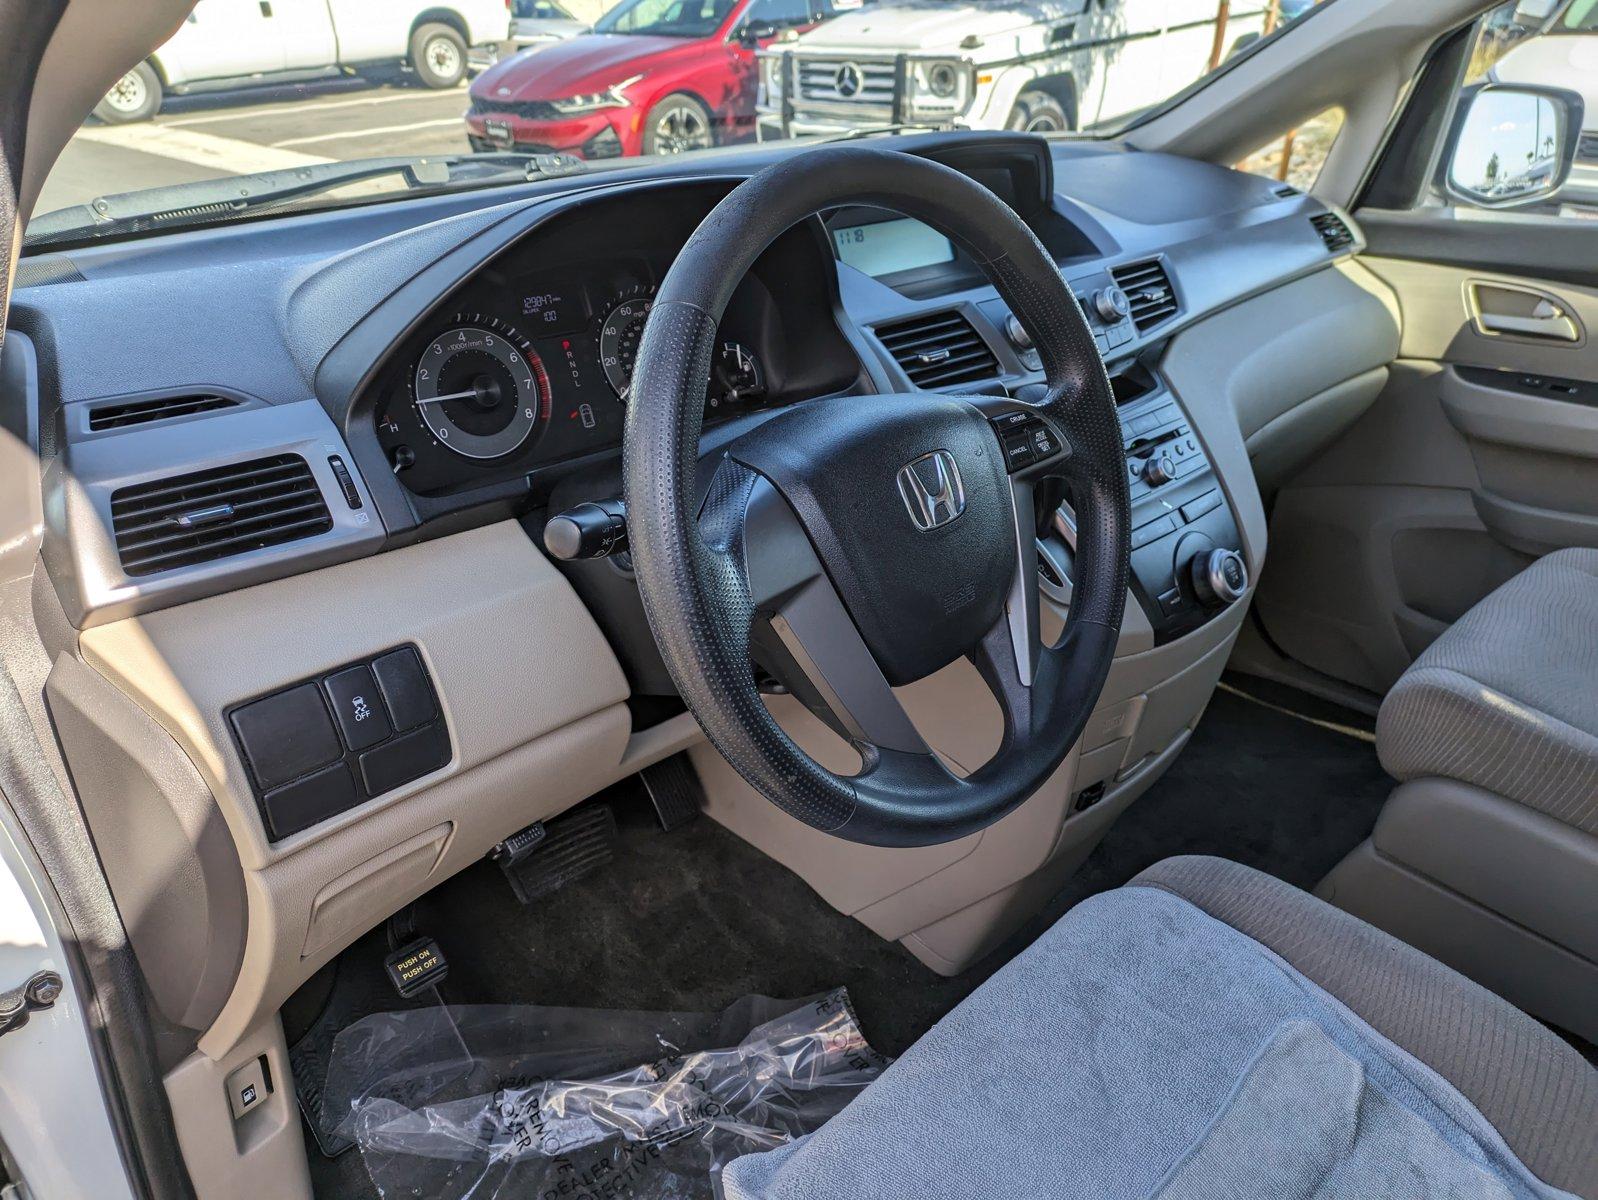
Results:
612 97
771 77
940 87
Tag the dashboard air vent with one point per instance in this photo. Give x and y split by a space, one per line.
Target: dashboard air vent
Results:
1333 231
1149 289
191 519
939 351
1285 191
119 414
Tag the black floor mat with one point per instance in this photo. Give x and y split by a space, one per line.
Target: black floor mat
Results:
691 919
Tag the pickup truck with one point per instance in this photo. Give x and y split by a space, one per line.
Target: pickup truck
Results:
1037 65
229 43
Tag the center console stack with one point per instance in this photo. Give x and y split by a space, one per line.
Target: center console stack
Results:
1186 563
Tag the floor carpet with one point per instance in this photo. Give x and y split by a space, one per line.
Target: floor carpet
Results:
692 919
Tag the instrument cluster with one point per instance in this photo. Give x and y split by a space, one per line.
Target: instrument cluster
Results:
537 367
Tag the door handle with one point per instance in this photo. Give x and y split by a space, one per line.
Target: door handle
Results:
1547 320
1498 309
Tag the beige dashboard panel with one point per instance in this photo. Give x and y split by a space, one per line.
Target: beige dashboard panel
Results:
513 653
529 687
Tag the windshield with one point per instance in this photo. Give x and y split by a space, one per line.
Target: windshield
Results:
254 108
666 18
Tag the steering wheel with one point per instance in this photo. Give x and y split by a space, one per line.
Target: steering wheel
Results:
849 545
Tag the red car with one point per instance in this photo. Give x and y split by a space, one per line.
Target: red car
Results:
655 77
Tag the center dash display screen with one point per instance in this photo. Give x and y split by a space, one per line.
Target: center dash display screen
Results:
888 247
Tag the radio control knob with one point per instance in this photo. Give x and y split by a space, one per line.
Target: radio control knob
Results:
1159 469
1111 303
1219 577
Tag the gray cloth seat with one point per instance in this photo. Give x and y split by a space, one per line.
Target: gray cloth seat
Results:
1507 698
1486 855
1208 1031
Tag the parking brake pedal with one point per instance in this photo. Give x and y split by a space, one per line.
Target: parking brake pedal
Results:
560 851
416 967
674 790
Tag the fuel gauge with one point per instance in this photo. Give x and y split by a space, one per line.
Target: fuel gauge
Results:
736 380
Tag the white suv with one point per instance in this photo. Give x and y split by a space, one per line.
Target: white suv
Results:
1008 65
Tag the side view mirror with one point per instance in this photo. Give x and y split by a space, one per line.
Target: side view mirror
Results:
752 33
1513 146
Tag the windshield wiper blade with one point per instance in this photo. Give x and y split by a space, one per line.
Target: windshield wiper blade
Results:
206 200
865 131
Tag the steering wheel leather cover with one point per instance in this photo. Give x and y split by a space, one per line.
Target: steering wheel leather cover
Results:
693 562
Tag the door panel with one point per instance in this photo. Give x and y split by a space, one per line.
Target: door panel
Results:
1480 454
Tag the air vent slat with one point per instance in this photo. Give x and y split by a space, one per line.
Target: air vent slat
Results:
207 515
169 533
1148 287
121 414
941 350
1333 230
169 502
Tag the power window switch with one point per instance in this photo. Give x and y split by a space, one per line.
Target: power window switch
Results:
246 1088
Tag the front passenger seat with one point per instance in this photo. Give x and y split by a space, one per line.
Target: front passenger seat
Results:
1487 855
1208 1031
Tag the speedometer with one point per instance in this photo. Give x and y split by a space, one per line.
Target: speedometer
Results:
618 341
480 389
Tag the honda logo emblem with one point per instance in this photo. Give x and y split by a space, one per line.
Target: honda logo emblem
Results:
932 490
848 81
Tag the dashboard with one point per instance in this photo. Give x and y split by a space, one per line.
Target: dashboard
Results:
332 443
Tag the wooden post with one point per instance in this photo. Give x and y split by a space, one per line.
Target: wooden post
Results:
1223 13
1287 154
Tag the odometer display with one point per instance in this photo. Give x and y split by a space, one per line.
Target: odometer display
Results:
480 389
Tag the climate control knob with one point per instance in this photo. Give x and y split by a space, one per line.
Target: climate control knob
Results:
1112 304
1219 577
1159 469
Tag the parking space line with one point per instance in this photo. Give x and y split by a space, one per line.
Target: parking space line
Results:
232 155
277 110
339 135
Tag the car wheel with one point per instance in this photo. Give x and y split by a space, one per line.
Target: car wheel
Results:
676 125
135 97
1038 112
438 56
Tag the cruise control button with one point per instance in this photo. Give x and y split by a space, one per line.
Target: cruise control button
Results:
357 708
1018 451
286 735
1044 443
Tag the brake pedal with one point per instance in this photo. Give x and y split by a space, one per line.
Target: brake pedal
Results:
561 851
673 788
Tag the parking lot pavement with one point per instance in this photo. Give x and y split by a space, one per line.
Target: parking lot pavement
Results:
257 129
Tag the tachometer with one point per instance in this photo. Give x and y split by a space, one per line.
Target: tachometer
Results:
480 389
618 340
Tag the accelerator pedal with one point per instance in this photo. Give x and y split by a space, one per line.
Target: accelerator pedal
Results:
674 789
562 850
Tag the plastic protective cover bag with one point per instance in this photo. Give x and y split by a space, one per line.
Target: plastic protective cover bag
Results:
583 1104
